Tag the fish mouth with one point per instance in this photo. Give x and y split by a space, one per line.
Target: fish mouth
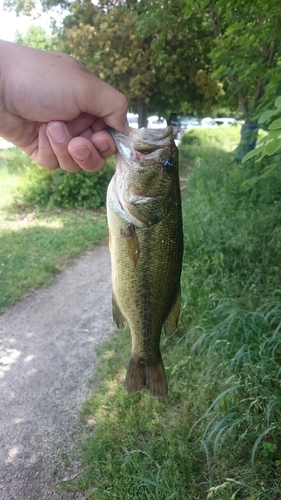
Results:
140 143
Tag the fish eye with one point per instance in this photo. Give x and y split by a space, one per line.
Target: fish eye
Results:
168 166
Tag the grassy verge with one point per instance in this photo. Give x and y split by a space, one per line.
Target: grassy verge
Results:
35 244
217 435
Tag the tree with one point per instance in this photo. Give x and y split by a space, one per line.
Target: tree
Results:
246 50
37 38
147 49
171 55
104 39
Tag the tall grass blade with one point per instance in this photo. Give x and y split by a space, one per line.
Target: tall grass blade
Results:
257 442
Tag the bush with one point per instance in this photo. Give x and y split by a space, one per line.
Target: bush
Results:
62 189
264 162
189 138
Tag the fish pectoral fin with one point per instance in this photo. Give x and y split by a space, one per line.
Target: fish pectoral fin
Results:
146 374
132 243
171 322
118 317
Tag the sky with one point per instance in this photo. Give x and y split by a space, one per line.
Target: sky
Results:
10 23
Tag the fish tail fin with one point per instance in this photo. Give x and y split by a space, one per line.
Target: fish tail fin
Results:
151 375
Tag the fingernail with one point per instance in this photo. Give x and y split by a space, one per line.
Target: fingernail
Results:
57 131
101 146
80 153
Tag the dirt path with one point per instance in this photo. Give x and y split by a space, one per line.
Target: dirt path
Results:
46 358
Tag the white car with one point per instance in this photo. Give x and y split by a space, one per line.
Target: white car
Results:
208 122
156 122
133 120
223 122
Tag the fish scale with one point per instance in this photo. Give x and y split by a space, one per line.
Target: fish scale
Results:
146 246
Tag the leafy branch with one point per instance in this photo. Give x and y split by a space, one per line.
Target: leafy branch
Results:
271 143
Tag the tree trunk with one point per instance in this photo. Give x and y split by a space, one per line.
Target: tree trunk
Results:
242 101
142 112
249 133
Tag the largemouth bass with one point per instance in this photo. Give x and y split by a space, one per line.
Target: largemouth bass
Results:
146 246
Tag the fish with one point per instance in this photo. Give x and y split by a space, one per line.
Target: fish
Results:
144 217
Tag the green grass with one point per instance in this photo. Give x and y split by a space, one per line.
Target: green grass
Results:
217 435
9 178
36 244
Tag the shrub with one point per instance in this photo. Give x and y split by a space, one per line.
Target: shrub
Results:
189 138
62 189
264 162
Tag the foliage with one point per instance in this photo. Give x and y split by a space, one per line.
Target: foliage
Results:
37 38
246 49
270 144
148 50
42 188
156 57
216 436
217 137
265 181
36 245
169 55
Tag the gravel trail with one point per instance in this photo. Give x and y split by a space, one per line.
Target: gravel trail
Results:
47 356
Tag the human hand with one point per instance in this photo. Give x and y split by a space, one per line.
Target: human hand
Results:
55 110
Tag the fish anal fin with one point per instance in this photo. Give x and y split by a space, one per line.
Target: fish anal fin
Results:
132 243
118 317
171 322
146 374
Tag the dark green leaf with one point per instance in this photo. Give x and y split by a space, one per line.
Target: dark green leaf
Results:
267 115
278 102
272 147
253 153
276 124
273 134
